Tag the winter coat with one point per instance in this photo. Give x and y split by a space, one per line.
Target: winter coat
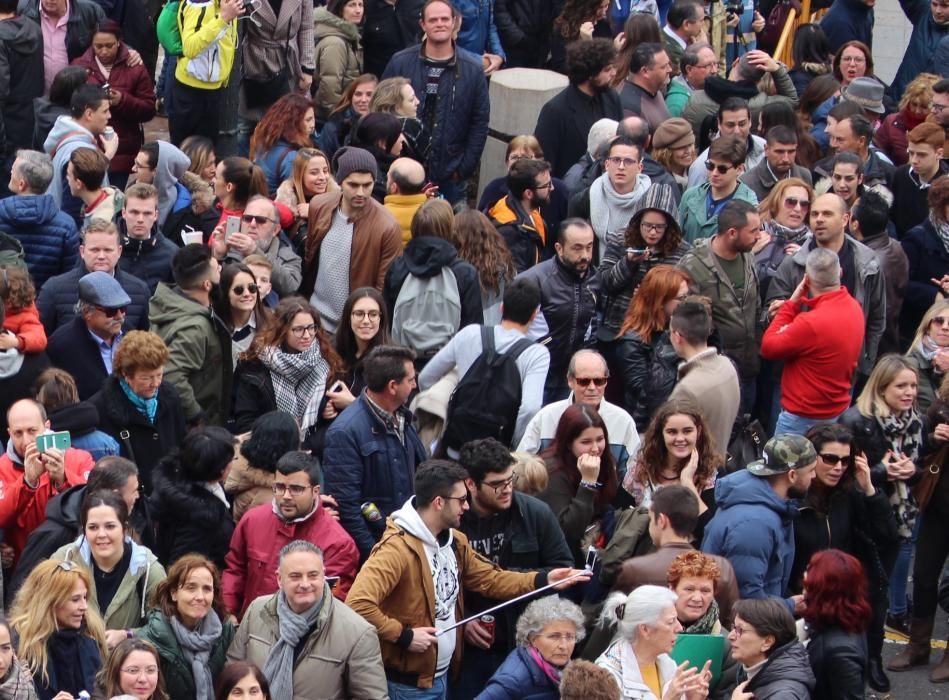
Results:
693 216
141 441
25 325
786 674
928 258
895 267
890 137
65 137
208 45
620 660
869 291
172 166
761 180
649 372
460 128
338 58
50 238
254 553
921 46
387 29
57 299
365 463
425 257
553 212
136 107
846 20
84 16
678 96
199 212
21 81
564 123
200 347
45 114
523 235
709 380
90 662
524 29
189 518
175 668
479 32
72 348
81 420
339 659
735 318
130 602
148 259
253 394
566 320
927 379
15 385
869 437
910 206
839 662
753 529
394 591
519 678
877 170
276 162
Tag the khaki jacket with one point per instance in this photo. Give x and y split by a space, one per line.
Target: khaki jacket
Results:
395 592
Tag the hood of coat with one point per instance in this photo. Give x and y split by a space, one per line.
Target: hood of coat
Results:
79 418
658 198
31 209
787 666
172 164
325 24
408 518
141 556
745 489
20 36
173 494
63 131
64 508
202 195
427 255
170 305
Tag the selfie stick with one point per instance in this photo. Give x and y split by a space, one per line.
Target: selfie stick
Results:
582 572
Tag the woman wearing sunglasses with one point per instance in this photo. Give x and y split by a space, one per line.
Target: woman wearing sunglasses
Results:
239 305
929 352
784 215
61 639
290 366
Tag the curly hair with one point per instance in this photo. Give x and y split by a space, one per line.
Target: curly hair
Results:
692 564
646 313
16 288
836 592
544 611
653 455
178 576
821 435
919 91
275 331
282 122
670 240
480 244
586 59
139 350
640 28
573 14
666 158
272 435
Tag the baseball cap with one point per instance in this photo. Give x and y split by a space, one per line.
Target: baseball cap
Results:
783 453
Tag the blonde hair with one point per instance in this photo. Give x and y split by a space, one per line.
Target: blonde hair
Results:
923 328
388 95
920 90
531 473
871 403
33 615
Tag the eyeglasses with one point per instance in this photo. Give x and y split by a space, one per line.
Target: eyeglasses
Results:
112 313
709 65
359 315
548 185
239 289
139 166
940 320
795 203
658 228
301 331
461 499
722 169
136 671
294 489
500 486
559 637
585 381
738 630
248 218
938 109
853 59
625 162
833 460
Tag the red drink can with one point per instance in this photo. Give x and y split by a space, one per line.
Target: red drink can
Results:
487 621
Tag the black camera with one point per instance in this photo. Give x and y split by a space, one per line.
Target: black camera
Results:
734 8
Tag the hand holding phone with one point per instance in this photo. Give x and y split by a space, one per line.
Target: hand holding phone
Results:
232 226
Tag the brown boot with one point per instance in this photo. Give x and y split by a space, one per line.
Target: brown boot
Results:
940 673
916 652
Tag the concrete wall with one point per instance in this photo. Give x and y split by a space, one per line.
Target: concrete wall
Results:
891 32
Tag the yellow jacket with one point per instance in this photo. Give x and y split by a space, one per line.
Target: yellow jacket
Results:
403 208
208 45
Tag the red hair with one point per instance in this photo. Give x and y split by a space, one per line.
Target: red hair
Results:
836 593
577 418
283 121
646 313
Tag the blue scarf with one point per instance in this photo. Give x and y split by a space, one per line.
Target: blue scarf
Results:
147 407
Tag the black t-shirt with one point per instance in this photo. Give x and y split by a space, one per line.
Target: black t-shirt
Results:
486 535
107 583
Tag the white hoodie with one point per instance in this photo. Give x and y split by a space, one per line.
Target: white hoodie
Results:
444 569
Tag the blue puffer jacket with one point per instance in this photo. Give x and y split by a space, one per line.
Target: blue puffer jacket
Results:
363 462
753 529
921 48
57 300
49 237
479 33
519 678
460 129
846 20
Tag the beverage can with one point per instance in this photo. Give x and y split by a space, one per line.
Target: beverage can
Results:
370 512
108 133
487 621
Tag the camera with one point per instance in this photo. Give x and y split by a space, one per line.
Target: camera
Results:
734 8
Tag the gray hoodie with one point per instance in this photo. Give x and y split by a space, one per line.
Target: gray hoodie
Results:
66 136
172 164
444 568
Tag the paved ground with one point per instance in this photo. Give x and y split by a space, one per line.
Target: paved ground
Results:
915 684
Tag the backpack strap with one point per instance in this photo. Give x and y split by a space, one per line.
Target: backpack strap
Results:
519 347
487 340
67 135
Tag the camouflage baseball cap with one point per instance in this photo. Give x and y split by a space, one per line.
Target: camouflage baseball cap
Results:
783 453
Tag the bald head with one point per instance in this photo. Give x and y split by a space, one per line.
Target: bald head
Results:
829 219
406 176
25 420
587 367
635 128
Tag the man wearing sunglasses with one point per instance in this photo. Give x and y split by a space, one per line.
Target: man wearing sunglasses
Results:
260 235
84 346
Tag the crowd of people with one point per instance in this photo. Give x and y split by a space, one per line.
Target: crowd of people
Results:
287 415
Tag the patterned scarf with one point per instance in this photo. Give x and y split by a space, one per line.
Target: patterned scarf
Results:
903 433
942 229
299 381
706 623
783 235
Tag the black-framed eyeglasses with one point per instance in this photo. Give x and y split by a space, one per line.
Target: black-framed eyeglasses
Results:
500 486
721 168
301 331
833 460
360 314
461 499
238 289
112 313
546 185
625 162
295 489
658 228
248 218
585 381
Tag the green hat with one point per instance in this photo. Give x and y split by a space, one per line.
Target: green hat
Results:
783 453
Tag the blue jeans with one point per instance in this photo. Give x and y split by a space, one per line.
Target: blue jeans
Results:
900 573
798 425
397 691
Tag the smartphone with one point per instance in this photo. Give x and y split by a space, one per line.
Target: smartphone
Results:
637 251
591 558
332 581
336 387
232 226
60 441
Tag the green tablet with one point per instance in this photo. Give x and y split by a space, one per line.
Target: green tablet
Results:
699 648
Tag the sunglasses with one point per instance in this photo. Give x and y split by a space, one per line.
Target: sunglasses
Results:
585 381
833 460
248 218
239 289
794 203
112 313
940 320
722 169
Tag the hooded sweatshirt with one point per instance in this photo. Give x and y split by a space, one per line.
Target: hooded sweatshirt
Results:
172 164
444 570
66 136
21 78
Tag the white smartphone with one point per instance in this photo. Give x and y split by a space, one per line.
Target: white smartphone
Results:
232 226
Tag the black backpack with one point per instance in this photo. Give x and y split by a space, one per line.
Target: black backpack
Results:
486 401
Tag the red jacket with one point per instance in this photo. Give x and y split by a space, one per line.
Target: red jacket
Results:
23 509
821 349
251 563
25 324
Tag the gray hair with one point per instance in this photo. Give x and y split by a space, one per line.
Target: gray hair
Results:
690 57
299 546
572 367
544 611
641 607
601 133
823 269
36 168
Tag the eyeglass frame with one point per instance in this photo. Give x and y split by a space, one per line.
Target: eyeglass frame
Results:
500 486
300 332
280 489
